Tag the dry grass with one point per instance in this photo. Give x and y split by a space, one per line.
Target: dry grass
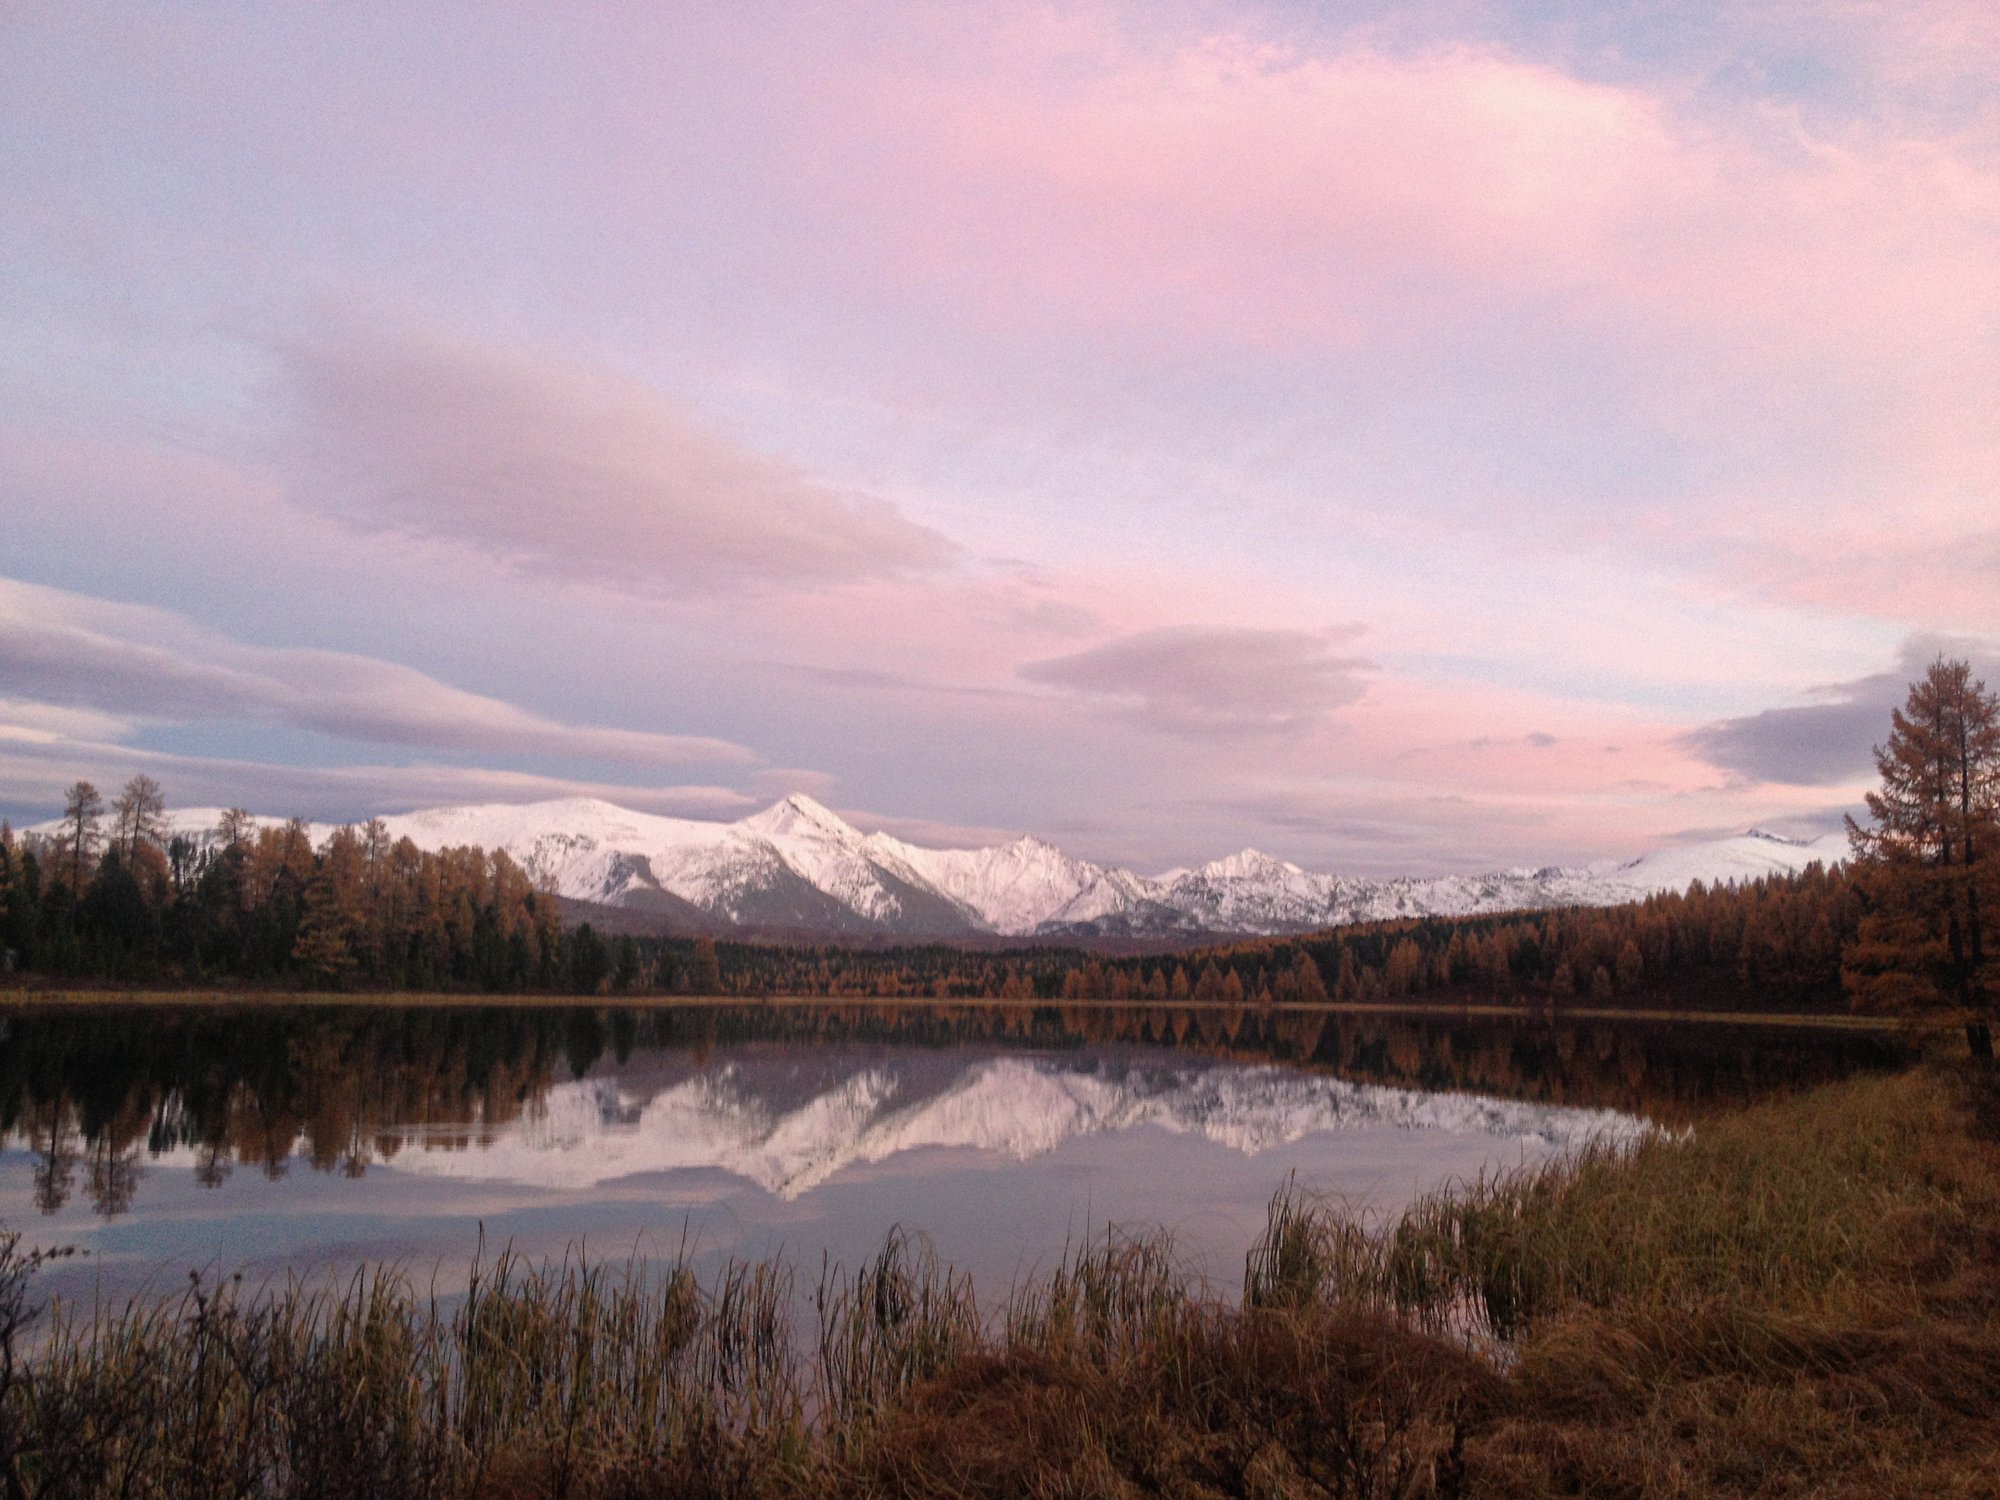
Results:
1820 1314
1800 1299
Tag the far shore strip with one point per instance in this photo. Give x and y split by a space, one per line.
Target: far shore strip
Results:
18 998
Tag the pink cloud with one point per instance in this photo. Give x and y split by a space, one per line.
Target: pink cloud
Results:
1210 680
1197 187
567 470
1225 191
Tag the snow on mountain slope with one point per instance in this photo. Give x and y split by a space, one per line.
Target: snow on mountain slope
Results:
1748 856
1015 887
798 865
1252 891
866 875
579 846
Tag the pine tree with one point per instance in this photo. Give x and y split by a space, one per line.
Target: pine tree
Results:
236 828
1631 965
1209 989
1347 984
9 900
1929 865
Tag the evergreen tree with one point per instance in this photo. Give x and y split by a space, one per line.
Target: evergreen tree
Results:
589 961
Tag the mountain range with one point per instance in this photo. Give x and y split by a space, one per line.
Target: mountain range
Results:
798 868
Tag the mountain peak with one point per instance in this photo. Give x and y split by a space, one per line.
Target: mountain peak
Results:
1246 864
799 814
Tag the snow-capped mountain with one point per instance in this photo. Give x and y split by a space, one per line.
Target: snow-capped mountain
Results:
797 866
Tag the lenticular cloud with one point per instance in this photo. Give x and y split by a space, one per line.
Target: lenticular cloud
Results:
563 469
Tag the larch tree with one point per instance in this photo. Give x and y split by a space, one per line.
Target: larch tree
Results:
1928 863
236 828
1310 984
139 817
82 807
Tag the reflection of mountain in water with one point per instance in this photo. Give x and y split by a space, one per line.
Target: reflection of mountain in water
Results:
91 1094
789 1126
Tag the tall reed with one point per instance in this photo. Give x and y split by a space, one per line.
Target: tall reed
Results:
1787 1202
895 1324
543 1379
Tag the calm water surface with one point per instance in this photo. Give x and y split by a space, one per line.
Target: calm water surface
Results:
276 1140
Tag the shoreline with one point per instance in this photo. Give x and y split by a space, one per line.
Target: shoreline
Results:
57 998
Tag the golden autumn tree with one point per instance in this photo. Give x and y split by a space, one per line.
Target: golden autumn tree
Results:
1928 864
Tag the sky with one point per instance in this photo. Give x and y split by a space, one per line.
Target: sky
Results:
1404 438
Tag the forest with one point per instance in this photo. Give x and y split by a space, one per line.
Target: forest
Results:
262 906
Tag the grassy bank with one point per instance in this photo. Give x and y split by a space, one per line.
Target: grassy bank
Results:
1801 1298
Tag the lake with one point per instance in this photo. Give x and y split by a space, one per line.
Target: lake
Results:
273 1138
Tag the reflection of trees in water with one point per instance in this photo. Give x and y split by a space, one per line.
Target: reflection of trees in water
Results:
101 1089
49 1130
1669 1070
104 1089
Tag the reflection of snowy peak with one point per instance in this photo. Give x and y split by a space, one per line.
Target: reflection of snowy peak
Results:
727 1119
797 865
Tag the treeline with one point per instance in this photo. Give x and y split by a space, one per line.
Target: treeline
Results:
1771 944
261 905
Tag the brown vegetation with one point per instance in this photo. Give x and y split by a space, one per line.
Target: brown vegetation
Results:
1798 1298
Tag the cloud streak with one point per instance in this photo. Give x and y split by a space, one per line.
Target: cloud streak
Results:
1203 681
75 652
